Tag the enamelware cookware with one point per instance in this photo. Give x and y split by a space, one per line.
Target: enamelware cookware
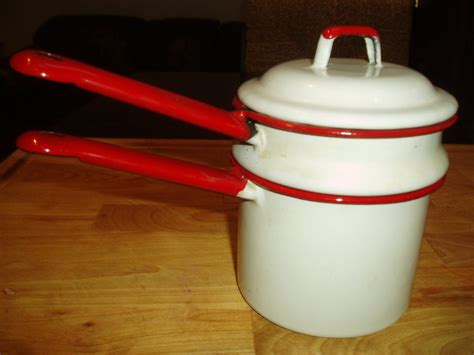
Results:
335 165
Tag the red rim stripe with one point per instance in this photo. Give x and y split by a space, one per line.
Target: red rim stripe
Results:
339 199
341 132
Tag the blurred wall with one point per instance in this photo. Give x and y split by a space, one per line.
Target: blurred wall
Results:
20 18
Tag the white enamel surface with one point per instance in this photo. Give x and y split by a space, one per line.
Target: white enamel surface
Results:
349 93
250 192
326 269
344 166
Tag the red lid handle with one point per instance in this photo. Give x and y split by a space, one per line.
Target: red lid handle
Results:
336 31
326 40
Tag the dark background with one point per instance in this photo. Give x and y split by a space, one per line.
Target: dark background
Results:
204 49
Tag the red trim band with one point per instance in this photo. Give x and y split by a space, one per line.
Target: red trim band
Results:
339 199
340 132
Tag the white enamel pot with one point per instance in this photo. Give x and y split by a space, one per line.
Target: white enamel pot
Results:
339 157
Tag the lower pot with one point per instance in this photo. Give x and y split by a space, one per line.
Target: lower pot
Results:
330 270
336 269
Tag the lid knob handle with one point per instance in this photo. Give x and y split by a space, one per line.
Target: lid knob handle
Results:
326 40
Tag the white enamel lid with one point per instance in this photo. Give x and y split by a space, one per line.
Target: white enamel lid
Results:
348 93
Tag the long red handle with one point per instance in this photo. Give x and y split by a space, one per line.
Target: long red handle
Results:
111 156
60 69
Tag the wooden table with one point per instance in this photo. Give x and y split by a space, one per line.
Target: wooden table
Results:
94 260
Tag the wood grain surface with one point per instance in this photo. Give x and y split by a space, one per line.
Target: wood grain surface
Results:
98 261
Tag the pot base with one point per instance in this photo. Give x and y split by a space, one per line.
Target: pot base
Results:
322 333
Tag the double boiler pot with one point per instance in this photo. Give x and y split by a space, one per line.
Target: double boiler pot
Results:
335 164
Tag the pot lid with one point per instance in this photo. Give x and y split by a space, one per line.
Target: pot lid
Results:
348 93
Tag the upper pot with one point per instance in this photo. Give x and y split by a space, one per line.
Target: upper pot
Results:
348 93
309 112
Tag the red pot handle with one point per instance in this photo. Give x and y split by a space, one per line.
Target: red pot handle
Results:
60 69
229 182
